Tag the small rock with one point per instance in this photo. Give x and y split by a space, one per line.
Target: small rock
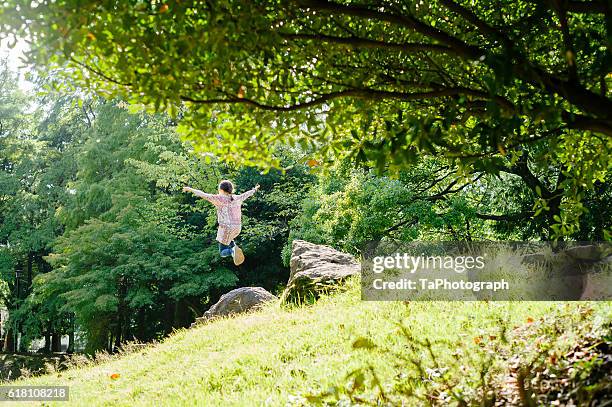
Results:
237 301
535 259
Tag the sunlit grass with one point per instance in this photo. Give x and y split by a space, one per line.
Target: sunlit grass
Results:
277 355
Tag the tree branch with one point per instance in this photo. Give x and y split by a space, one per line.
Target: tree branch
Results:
572 91
449 188
436 181
570 53
587 6
521 169
469 16
371 94
407 222
236 100
368 43
505 218
99 73
409 22
581 122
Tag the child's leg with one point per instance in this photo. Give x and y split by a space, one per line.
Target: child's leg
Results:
225 251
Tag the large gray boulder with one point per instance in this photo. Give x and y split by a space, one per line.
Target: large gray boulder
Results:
589 252
237 301
575 272
315 269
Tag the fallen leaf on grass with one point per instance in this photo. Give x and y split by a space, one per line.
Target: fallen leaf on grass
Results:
363 343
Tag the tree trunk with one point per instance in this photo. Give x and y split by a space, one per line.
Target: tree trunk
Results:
168 315
56 342
555 210
468 230
118 331
42 265
121 312
9 341
48 338
176 319
70 348
140 325
18 271
47 342
109 343
181 314
126 332
29 264
21 344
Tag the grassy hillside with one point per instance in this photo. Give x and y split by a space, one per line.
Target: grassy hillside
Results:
283 356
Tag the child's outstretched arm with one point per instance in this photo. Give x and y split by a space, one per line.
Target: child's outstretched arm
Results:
214 199
248 193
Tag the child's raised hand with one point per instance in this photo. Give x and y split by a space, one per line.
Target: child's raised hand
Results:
257 187
186 189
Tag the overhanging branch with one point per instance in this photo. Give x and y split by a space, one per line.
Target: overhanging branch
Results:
580 122
573 92
406 21
368 43
511 217
587 7
469 16
371 94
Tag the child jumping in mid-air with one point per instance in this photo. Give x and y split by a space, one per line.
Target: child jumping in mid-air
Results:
228 215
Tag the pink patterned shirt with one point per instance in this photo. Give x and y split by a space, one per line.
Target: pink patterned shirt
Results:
229 213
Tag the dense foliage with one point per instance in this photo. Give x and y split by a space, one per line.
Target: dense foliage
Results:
349 207
97 237
522 87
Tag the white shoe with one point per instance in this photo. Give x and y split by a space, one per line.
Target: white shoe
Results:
237 255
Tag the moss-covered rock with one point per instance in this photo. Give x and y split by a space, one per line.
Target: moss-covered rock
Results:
316 269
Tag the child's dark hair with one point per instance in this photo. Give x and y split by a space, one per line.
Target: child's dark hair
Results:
227 186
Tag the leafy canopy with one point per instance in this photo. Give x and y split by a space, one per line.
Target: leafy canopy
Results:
470 76
523 86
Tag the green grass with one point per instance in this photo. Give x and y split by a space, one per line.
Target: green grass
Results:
278 355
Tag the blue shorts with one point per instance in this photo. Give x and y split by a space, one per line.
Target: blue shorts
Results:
225 250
